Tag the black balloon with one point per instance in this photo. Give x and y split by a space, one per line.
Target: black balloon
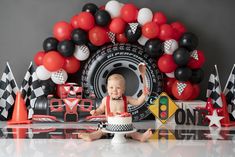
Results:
189 41
50 44
181 56
48 86
133 36
153 47
66 48
102 18
183 73
79 36
197 76
90 7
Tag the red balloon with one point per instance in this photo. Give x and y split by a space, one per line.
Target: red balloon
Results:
74 21
196 63
166 63
86 20
117 25
178 30
38 58
159 18
53 61
151 30
166 32
196 92
121 38
129 13
62 30
98 36
182 95
71 65
168 83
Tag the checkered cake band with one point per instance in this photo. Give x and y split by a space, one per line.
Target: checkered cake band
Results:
117 128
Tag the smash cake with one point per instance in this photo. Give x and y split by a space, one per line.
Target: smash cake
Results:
120 122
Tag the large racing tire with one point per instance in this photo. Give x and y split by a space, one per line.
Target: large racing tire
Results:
123 59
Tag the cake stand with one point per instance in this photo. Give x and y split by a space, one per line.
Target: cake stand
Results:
119 137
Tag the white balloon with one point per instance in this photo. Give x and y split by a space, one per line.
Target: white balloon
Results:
144 15
170 75
113 7
81 52
42 73
170 46
59 77
142 40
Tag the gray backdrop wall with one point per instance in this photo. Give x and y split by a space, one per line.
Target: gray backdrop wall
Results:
24 24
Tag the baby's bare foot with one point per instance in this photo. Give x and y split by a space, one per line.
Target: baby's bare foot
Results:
146 135
85 136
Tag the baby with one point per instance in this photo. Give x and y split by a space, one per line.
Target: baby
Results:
117 104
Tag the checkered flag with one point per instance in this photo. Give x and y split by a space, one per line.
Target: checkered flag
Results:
111 36
8 89
181 86
229 92
31 89
214 89
195 55
134 27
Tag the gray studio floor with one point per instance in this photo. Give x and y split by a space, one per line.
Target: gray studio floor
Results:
60 140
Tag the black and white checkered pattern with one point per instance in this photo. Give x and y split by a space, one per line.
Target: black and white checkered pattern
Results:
102 125
111 37
194 55
31 89
181 86
119 128
133 27
229 92
214 89
8 89
59 76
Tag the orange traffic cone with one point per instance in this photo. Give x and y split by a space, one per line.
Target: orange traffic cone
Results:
19 133
20 115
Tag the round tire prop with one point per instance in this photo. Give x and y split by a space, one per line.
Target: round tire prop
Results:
123 59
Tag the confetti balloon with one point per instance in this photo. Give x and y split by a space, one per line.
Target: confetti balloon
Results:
170 46
81 52
59 77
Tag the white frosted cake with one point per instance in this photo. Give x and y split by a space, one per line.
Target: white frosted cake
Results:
120 123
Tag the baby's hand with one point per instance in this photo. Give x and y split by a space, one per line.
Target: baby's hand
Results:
146 91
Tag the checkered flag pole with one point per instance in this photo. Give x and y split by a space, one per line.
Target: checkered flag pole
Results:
214 89
229 92
31 89
8 90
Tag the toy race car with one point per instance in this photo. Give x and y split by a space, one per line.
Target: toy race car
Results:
71 106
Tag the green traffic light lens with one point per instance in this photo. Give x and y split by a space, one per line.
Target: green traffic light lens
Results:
163 100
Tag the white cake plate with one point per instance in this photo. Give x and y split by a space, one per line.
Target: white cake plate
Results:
119 137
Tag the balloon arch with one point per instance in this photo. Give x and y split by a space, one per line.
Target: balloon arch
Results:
170 44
